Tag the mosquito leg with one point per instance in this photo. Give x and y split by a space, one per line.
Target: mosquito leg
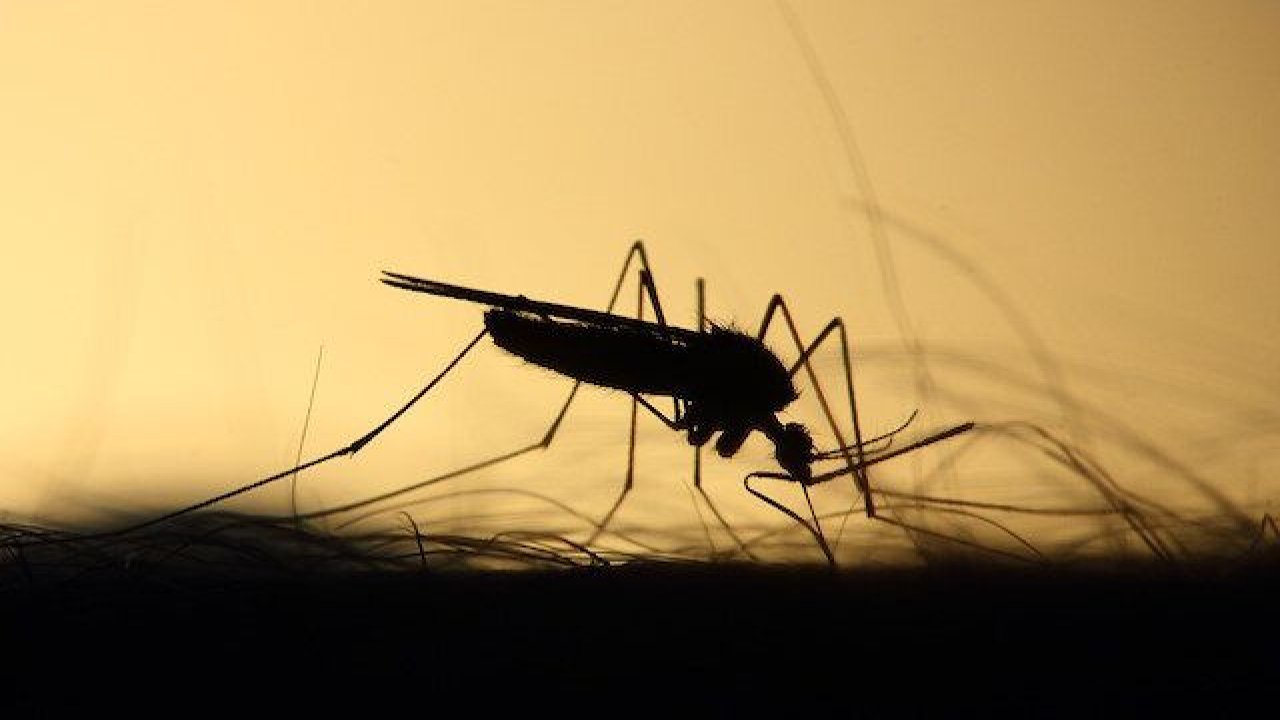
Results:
646 286
672 424
637 250
636 253
814 529
646 280
856 463
356 446
701 292
649 286
351 449
649 289
856 466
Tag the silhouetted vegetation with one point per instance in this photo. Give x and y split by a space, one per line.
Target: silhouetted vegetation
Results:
215 609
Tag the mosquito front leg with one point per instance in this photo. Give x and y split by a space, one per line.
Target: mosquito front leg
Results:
856 467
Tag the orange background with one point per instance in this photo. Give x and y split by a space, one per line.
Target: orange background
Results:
1077 207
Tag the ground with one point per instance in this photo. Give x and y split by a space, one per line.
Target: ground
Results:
726 639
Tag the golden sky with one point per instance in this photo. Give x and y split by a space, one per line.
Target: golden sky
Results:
1076 198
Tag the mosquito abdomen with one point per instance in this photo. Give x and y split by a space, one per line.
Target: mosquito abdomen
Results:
732 377
622 359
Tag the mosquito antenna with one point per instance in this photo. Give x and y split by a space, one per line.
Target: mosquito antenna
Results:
828 454
868 462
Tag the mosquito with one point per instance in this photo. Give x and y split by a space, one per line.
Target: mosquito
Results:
719 379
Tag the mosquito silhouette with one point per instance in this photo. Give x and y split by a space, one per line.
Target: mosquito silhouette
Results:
719 379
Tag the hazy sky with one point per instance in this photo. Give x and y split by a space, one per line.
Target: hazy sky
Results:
195 196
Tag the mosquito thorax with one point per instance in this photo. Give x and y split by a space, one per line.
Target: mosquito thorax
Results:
739 373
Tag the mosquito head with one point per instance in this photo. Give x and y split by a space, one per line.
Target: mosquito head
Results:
793 447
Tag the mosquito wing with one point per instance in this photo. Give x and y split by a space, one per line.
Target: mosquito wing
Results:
520 303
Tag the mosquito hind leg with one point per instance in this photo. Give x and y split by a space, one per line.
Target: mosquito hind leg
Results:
636 250
350 449
648 291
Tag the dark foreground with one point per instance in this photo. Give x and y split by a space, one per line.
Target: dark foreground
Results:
723 639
